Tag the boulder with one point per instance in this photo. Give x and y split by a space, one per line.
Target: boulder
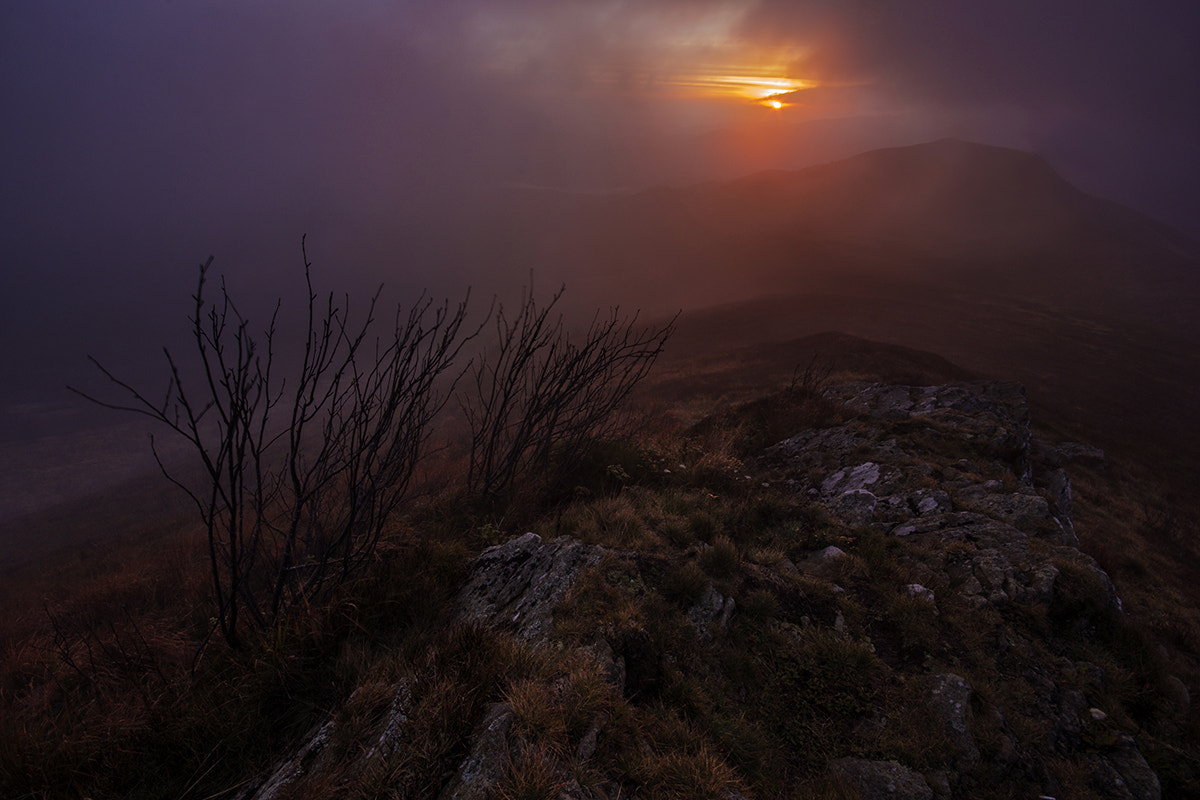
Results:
881 780
950 698
517 585
710 615
488 759
1022 510
1138 777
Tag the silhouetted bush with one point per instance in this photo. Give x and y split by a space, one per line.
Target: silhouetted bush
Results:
302 473
536 393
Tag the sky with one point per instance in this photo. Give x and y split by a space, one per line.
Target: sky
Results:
141 136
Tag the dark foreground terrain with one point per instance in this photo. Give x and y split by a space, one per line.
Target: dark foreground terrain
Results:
884 574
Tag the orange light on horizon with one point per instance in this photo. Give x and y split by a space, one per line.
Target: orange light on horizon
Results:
747 85
744 84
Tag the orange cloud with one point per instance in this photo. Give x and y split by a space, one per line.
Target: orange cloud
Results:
659 49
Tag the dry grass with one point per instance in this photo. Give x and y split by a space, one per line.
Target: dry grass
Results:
99 697
111 683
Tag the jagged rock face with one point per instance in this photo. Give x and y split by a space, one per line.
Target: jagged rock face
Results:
488 758
711 614
517 585
882 780
316 756
955 471
903 485
951 702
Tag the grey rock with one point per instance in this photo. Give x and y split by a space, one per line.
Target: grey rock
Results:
993 573
1068 714
611 665
940 783
837 442
314 757
1089 675
1107 781
950 698
1139 778
1058 483
1038 586
850 479
822 562
920 592
856 508
488 759
587 743
931 501
710 615
1022 510
517 585
1177 690
882 780
395 724
994 415
1065 453
306 760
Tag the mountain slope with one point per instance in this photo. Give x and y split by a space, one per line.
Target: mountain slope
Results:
981 254
981 218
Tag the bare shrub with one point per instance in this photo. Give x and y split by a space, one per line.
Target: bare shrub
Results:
812 378
537 393
300 474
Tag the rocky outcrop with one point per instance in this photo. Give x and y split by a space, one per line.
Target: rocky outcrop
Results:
953 468
978 517
517 585
318 755
488 759
950 699
881 780
711 614
955 472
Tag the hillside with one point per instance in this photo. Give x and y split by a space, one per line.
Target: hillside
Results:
977 218
803 594
982 254
901 602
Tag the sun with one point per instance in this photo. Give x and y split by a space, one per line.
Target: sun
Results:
775 104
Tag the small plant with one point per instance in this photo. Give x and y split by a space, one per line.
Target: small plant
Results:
684 584
682 775
811 378
722 559
531 776
760 605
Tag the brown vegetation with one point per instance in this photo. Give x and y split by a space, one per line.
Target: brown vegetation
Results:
109 690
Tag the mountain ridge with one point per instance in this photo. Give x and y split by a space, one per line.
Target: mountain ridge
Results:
984 218
938 634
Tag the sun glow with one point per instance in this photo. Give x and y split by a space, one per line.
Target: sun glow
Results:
741 85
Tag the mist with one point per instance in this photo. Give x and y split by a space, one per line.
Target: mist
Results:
436 145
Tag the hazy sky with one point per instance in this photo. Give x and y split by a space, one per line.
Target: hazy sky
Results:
140 136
